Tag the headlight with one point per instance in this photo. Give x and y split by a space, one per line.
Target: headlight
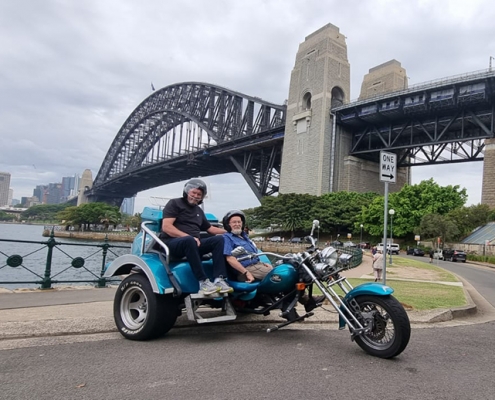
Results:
322 269
345 259
329 256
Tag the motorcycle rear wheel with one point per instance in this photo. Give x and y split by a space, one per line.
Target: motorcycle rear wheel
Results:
141 314
391 328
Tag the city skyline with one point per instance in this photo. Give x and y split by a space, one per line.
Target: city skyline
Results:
72 73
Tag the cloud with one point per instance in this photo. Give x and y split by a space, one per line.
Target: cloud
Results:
72 72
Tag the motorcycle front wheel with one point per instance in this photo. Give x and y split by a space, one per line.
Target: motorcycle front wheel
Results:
390 327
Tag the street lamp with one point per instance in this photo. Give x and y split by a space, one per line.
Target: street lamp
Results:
361 241
391 212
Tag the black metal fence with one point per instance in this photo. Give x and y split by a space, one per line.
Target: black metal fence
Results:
58 265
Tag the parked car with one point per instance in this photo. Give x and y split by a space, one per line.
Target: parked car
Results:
350 244
364 245
415 252
336 243
438 254
454 255
296 240
275 239
258 239
394 248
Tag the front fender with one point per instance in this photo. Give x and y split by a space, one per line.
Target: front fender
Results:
370 288
148 263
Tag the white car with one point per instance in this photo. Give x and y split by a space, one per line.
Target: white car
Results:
438 254
394 248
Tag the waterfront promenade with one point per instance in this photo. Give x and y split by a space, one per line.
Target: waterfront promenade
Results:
82 311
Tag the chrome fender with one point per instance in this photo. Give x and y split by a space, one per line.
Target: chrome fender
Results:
370 288
149 264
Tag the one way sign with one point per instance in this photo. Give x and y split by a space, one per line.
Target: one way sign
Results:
388 167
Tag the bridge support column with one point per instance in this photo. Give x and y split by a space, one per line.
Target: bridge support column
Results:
320 79
85 183
488 186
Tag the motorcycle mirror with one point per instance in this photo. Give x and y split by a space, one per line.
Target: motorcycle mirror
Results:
239 251
316 224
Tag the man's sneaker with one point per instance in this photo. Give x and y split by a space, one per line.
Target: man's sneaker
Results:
223 286
207 288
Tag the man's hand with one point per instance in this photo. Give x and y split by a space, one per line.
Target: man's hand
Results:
249 277
198 242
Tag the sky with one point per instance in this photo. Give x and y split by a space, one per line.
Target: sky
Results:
71 72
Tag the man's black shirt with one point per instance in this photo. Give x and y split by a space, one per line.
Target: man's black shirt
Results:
189 219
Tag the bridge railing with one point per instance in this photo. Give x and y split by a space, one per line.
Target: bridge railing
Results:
483 73
51 262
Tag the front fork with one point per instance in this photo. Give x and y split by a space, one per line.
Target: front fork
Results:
348 310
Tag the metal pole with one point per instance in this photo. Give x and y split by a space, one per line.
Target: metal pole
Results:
385 223
391 237
47 280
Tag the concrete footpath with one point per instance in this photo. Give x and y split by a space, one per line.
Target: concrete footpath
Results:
84 310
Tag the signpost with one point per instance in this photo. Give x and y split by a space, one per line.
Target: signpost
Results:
388 174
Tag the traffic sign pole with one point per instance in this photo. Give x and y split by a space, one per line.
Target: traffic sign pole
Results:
385 222
388 174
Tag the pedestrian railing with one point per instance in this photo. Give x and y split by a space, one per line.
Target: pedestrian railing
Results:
53 263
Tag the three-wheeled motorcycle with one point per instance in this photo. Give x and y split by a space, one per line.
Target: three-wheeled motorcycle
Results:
157 289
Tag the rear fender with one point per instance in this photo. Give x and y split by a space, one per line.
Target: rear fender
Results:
149 264
370 288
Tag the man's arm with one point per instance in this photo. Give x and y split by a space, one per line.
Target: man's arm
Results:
169 228
216 231
232 261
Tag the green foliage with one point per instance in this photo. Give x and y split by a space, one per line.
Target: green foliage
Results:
435 225
91 213
469 218
344 212
487 259
43 212
340 212
411 204
6 217
132 221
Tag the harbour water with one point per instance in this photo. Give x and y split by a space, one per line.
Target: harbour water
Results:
34 257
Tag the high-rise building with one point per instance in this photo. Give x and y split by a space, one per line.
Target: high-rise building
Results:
54 195
4 188
127 206
11 194
29 201
40 192
67 186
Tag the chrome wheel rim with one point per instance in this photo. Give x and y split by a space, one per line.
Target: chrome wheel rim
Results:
382 333
134 308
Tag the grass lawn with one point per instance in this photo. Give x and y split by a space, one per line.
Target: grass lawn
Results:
423 295
398 262
419 295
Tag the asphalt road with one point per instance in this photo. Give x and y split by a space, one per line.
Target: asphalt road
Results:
481 277
439 363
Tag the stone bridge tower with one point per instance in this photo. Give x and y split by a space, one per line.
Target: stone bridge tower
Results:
315 156
320 78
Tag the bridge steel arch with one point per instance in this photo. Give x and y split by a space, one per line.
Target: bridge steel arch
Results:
156 145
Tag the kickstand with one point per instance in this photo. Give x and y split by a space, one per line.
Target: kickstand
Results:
277 327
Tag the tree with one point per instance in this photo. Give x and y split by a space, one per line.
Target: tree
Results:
469 218
90 213
43 212
435 225
340 212
411 204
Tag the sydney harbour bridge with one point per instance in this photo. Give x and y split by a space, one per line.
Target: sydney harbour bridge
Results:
197 129
191 130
